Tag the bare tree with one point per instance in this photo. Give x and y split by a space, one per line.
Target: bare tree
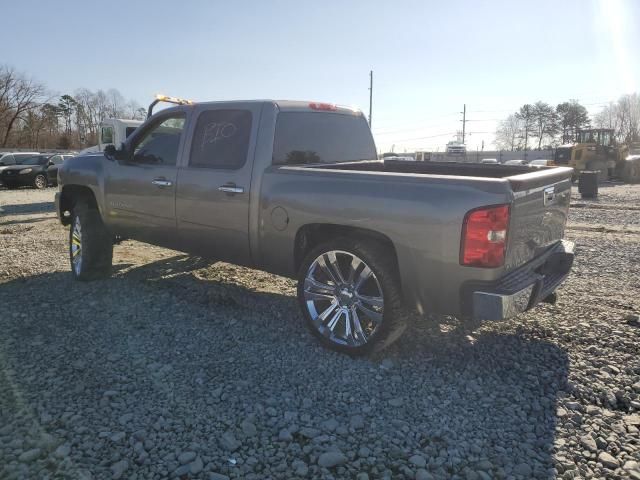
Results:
623 116
545 121
18 95
527 117
509 133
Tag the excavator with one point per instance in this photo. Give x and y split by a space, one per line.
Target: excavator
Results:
596 150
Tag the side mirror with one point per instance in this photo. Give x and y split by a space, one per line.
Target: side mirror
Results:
110 152
113 153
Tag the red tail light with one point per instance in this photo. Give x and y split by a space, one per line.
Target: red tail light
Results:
484 236
328 107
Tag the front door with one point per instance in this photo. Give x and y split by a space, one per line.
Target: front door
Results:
212 200
140 190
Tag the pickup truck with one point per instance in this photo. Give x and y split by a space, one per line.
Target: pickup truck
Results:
294 188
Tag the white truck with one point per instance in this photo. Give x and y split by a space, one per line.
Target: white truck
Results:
113 131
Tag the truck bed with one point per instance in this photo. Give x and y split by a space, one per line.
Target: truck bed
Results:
520 177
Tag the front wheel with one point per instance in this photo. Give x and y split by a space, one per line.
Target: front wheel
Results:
40 182
90 244
350 297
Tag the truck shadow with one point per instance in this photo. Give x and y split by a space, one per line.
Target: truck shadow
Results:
485 402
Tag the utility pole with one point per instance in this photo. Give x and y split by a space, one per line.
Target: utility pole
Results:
370 95
464 120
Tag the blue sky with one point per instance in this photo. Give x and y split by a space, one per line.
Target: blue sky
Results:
429 58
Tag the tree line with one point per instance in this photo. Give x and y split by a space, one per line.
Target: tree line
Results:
32 117
540 125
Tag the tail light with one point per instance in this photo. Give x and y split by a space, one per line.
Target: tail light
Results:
484 236
327 107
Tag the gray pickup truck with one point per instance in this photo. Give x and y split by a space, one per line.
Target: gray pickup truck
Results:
294 188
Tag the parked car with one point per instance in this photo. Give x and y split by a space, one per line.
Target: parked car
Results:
516 162
31 171
10 158
489 160
52 171
294 188
541 163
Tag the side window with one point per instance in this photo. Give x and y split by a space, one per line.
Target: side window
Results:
159 145
57 160
8 160
221 139
106 135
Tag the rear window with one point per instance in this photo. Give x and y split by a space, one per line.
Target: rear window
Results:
311 137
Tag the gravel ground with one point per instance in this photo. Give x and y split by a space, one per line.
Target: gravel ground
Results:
175 368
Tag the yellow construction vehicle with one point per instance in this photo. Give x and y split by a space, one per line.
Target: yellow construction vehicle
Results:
596 150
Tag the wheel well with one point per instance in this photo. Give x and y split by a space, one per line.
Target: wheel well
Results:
72 194
309 236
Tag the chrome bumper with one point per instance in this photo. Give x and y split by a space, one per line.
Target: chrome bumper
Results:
524 287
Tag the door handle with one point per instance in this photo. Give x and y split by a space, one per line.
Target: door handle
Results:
161 182
231 188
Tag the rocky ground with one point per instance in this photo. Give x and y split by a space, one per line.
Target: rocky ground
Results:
176 368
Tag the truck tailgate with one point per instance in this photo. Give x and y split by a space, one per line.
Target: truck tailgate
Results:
538 214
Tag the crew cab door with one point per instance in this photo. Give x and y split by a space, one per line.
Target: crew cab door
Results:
140 190
213 195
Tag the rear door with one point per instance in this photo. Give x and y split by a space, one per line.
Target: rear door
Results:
213 194
140 191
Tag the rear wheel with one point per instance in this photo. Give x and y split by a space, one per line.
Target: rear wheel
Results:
350 297
90 244
40 181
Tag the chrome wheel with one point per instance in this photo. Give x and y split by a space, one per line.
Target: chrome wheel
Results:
76 246
344 298
40 181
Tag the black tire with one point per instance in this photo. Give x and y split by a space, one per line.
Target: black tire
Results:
40 181
96 244
383 265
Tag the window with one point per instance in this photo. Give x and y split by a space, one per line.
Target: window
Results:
7 160
106 135
311 137
20 158
33 160
221 139
56 159
129 130
159 145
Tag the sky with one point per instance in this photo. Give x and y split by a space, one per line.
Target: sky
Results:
428 58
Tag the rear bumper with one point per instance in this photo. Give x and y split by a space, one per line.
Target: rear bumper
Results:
523 288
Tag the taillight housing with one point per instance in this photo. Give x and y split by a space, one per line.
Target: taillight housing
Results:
484 236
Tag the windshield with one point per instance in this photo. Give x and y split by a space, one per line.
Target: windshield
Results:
310 137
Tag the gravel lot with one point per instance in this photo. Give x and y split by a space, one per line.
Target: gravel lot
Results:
175 368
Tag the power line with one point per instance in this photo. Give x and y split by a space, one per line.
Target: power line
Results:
452 114
370 95
464 121
423 138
